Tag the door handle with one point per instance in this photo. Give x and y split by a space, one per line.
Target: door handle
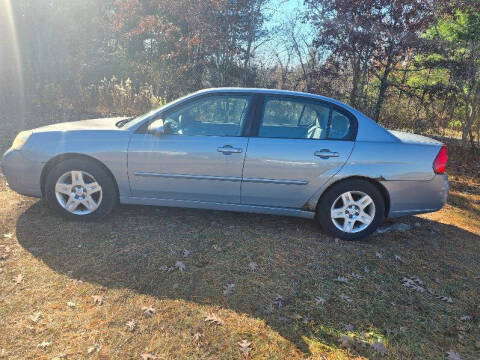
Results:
228 149
325 154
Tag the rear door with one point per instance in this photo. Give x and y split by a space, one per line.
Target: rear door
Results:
300 144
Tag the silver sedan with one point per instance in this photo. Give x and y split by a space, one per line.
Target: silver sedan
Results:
252 150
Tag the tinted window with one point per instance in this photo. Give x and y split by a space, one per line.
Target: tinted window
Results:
212 116
285 118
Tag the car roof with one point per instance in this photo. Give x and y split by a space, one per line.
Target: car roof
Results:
276 92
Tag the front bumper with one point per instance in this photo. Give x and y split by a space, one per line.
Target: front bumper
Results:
417 197
23 174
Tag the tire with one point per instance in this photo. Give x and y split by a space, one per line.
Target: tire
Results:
365 219
62 192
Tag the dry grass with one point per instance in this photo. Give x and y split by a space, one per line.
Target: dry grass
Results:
123 259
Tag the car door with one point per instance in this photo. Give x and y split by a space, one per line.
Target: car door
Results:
199 157
300 143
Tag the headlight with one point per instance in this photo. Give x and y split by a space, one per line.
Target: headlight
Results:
21 139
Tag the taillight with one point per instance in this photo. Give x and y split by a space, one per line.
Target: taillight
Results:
440 162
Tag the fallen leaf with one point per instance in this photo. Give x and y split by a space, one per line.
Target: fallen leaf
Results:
244 346
379 347
356 276
60 357
44 344
413 283
214 319
319 300
18 279
228 289
453 355
180 266
446 299
253 266
148 357
35 317
278 301
97 299
345 341
148 311
93 348
131 325
341 279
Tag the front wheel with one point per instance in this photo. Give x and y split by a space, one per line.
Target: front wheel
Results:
80 189
351 209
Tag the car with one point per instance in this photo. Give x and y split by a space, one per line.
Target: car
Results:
236 149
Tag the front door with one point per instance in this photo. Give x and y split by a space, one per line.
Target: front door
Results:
199 158
300 144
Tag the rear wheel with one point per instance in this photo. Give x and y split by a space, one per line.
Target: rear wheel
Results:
80 189
351 209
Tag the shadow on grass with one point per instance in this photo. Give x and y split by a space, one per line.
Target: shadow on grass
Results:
135 247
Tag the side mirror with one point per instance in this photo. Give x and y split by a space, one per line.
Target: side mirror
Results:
156 128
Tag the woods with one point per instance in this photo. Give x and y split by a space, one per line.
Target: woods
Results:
409 64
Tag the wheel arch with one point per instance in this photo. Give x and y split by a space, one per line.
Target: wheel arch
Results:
50 164
374 182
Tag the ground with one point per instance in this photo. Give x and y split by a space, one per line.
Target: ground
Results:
145 281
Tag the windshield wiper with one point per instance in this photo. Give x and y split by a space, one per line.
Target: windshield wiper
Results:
124 121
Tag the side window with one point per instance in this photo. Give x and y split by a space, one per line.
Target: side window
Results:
340 126
222 115
294 119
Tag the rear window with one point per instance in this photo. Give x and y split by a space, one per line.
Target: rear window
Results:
302 119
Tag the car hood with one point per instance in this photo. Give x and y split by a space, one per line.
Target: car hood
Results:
414 138
91 124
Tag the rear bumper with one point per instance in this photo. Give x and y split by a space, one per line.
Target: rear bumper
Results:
416 197
23 174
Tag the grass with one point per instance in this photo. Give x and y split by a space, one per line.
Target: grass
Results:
128 259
